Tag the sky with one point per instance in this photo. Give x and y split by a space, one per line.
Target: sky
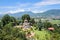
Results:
36 6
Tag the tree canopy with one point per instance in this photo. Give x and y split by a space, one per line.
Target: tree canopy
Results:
26 16
7 19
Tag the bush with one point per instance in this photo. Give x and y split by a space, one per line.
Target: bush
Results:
11 33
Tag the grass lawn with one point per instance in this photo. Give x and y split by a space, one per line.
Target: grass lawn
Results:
42 35
55 21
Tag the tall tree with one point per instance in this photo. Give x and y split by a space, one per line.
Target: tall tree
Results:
40 24
26 16
6 19
32 21
13 20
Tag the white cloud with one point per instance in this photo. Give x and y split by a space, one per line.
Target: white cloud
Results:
15 11
47 2
38 7
36 11
35 7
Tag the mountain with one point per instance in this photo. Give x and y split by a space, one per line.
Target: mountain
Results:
54 13
19 14
1 15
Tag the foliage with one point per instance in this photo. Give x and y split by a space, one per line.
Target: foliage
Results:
42 35
11 33
32 21
47 24
7 19
39 25
55 36
19 22
26 16
1 25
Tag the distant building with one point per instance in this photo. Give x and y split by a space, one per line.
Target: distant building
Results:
26 24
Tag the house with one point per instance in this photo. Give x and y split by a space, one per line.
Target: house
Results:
51 28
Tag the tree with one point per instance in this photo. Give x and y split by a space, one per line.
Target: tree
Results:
11 33
1 25
13 20
26 16
57 28
47 24
6 19
40 25
32 21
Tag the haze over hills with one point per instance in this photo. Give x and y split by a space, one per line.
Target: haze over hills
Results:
54 13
